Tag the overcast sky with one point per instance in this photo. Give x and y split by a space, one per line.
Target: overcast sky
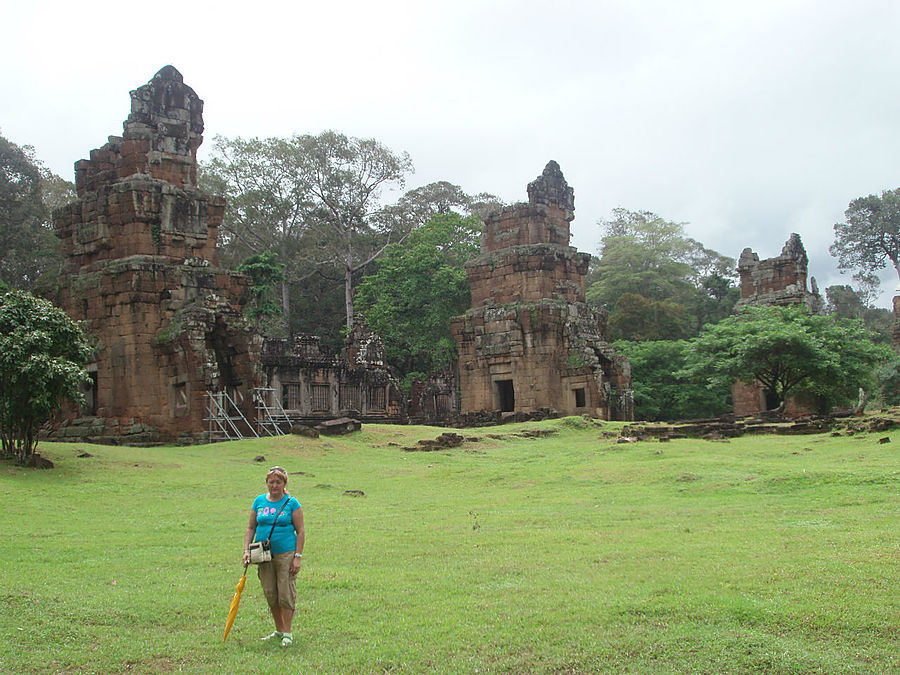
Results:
745 120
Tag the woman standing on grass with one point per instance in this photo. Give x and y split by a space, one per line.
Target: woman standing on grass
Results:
278 576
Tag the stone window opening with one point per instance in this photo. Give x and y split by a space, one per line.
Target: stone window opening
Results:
349 397
182 406
579 397
89 389
504 395
376 398
291 396
320 397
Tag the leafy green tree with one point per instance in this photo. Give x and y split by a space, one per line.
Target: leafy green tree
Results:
29 248
42 352
888 377
870 237
638 318
266 275
820 359
421 204
846 303
313 200
345 177
662 391
415 289
644 255
267 203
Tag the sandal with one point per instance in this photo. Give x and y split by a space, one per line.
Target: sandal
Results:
277 635
287 640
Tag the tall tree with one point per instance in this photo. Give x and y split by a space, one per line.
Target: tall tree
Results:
844 302
310 199
267 202
644 255
421 204
870 236
415 289
790 352
639 318
42 352
345 177
28 193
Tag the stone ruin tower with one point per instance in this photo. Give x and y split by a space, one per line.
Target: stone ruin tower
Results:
775 281
141 269
529 341
780 280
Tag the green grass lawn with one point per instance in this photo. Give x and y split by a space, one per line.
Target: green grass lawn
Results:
566 553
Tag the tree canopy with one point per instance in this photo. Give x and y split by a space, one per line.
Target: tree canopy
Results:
821 359
870 235
415 289
29 248
266 274
847 303
312 200
662 389
655 282
42 352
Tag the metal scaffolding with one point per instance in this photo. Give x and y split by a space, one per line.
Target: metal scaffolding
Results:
228 423
270 418
224 418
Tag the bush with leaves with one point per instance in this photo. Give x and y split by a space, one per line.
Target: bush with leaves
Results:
42 352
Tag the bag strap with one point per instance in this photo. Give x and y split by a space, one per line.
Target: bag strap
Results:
269 538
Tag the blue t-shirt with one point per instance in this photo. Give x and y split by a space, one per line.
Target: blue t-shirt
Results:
284 538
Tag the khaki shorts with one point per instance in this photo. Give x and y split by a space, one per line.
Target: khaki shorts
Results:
279 585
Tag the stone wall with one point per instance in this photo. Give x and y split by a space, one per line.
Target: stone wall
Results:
530 341
434 400
314 384
141 269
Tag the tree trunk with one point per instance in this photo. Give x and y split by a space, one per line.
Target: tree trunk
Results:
348 296
348 280
286 306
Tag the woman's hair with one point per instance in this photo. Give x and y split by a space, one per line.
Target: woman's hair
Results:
278 471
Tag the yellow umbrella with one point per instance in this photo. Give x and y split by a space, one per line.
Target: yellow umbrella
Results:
235 601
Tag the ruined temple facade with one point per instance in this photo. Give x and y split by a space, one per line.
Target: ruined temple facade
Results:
141 269
775 281
529 340
314 384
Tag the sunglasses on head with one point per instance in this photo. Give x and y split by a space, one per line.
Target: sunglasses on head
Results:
278 468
